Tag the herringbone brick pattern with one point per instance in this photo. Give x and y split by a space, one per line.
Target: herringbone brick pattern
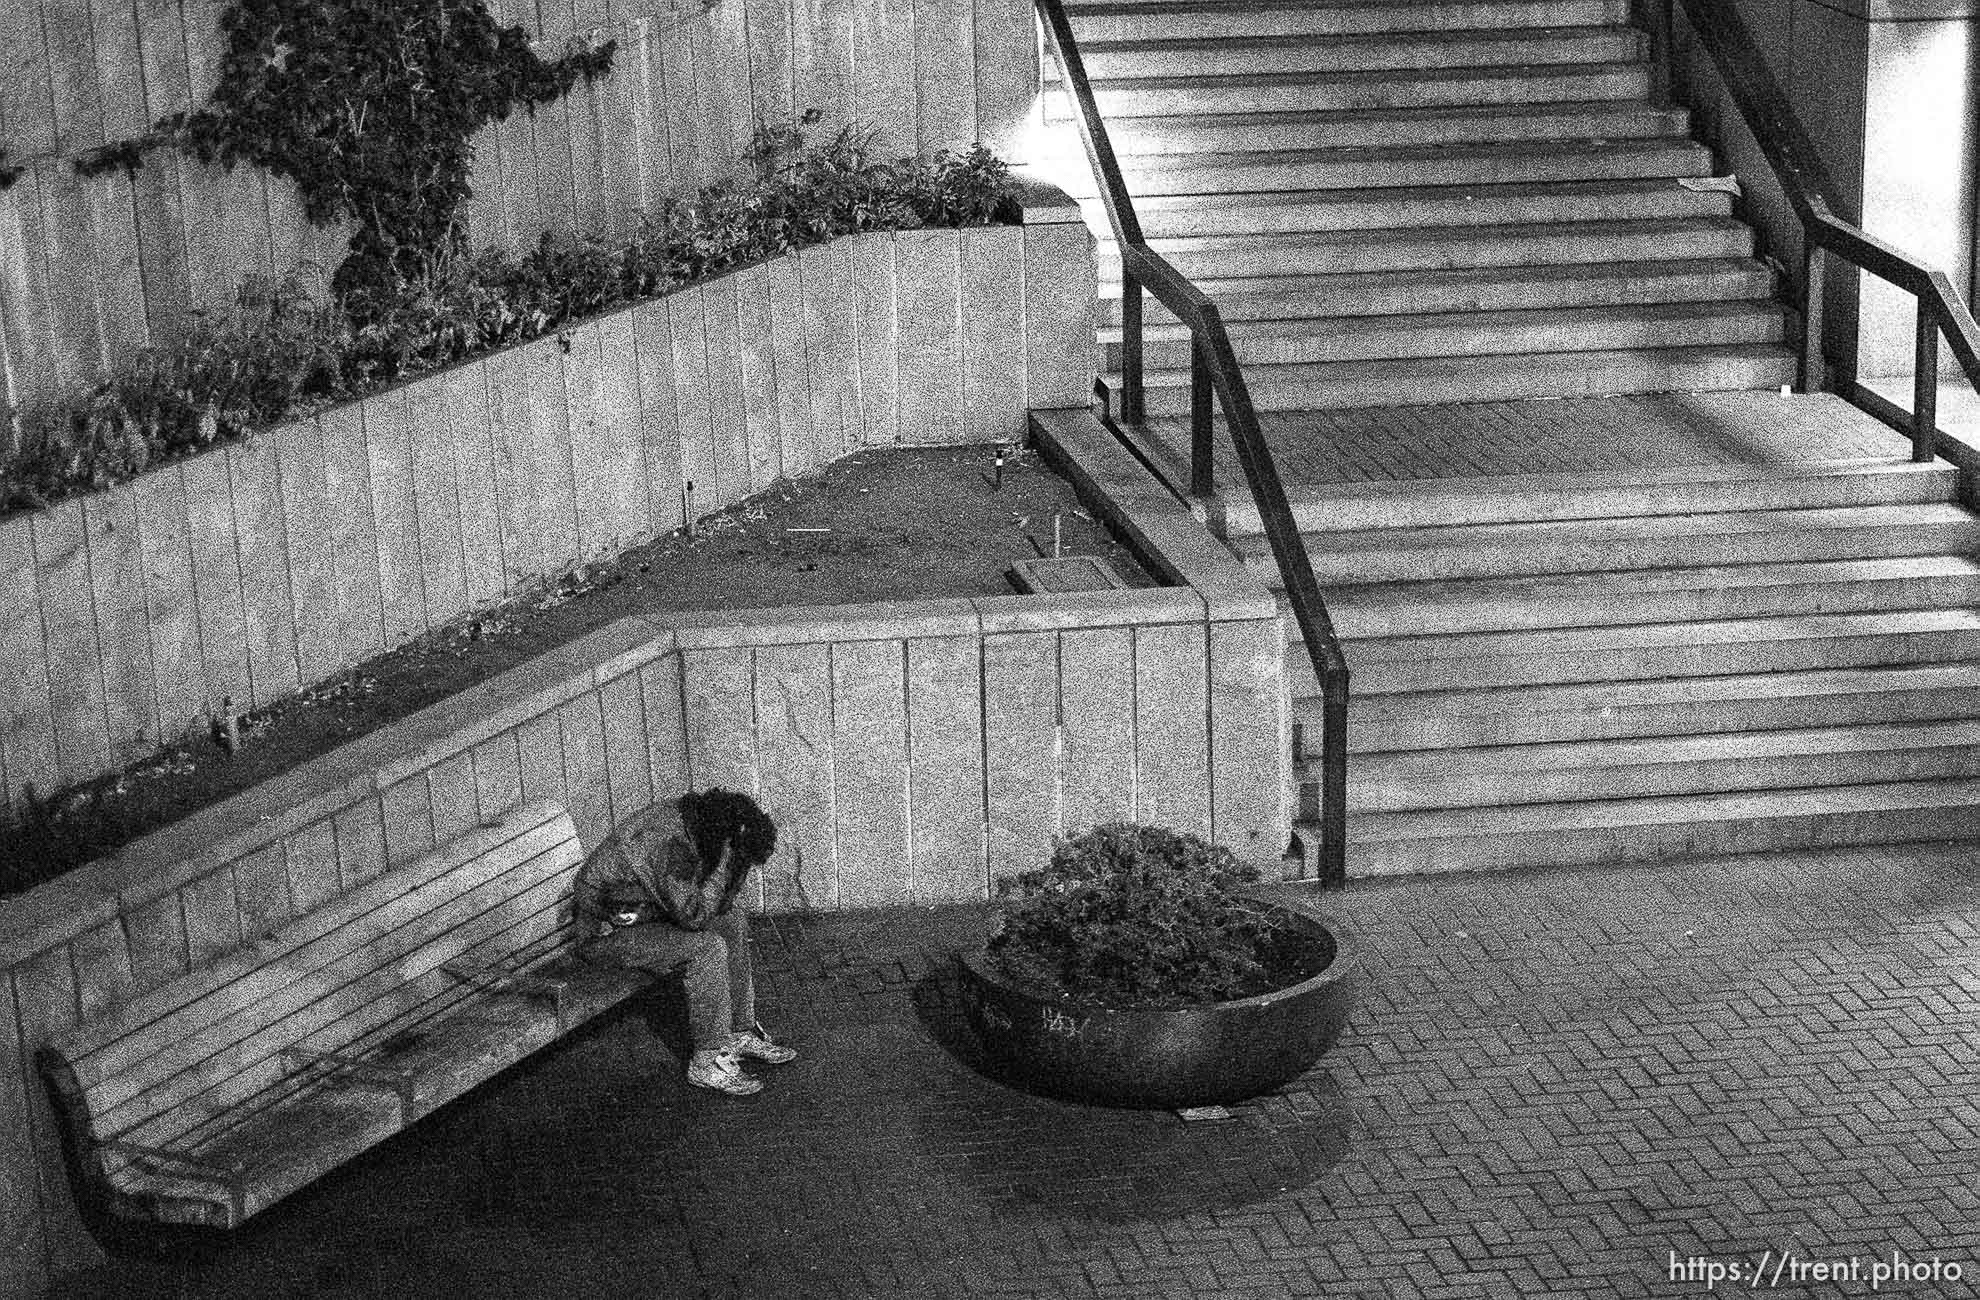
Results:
1488 439
1554 1080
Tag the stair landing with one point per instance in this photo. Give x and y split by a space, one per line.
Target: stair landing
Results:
1543 436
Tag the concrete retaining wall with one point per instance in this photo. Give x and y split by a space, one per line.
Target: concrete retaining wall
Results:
91 270
127 616
910 752
1886 91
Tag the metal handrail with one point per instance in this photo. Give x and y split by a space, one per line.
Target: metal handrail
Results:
1214 370
1811 193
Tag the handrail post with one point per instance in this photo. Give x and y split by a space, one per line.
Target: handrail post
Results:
1215 377
1814 275
1134 408
1202 464
1663 49
1722 36
1332 865
1925 386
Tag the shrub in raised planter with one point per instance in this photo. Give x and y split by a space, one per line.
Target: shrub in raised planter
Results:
1137 969
282 352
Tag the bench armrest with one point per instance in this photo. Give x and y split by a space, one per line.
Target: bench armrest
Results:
195 1166
230 1174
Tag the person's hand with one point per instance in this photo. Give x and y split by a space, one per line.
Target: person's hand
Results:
737 869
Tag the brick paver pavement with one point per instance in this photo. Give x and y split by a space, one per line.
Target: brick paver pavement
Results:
1485 439
1553 1081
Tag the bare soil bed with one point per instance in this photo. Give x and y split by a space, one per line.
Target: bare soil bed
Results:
879 525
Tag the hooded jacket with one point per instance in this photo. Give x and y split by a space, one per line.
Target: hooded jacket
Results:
651 858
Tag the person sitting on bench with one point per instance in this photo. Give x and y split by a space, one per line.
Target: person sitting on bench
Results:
660 893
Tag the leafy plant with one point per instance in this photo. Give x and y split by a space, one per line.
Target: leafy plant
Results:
125 155
1132 915
280 351
371 106
230 373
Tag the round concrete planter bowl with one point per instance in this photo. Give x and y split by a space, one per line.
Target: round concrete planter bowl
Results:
1209 1054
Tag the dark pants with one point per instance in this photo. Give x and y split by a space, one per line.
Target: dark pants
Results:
714 965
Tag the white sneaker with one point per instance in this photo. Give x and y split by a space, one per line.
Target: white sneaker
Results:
756 1044
720 1071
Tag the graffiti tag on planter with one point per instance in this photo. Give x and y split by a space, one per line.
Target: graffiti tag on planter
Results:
1058 1022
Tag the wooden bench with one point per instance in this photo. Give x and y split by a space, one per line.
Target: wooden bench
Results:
208 1099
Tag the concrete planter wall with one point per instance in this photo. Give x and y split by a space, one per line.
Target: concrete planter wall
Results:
246 573
91 270
910 752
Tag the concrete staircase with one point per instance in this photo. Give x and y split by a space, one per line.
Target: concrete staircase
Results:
1769 641
1420 201
1568 669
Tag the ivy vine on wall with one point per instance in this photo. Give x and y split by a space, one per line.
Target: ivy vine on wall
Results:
370 107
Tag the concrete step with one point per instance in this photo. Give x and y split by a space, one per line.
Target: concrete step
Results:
1407 210
1136 137
1674 542
1485 289
1655 596
1563 834
1401 54
1473 334
1612 507
1257 92
1413 167
1195 20
1680 706
1325 385
1663 765
1640 651
1458 250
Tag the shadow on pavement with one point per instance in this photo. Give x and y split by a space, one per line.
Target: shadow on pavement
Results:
1033 1157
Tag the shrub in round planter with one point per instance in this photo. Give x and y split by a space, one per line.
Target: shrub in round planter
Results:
1136 970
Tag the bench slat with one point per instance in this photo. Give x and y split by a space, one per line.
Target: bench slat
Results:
284 1148
239 985
319 1019
455 1056
469 1047
593 990
289 1056
498 1029
586 996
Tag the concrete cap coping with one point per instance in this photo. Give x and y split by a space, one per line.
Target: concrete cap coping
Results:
208 839
1172 540
1042 201
1228 589
52 914
1900 11
530 689
1114 607
812 624
315 791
